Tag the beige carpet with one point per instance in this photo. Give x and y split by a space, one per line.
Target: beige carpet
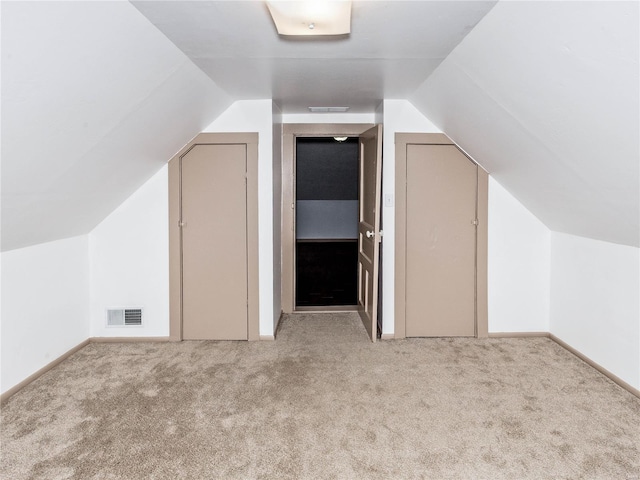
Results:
323 402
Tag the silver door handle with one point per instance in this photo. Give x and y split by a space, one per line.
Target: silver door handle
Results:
370 233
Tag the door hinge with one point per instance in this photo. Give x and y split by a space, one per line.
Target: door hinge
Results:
474 222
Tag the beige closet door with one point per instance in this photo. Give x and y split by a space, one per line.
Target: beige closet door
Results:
214 243
369 227
440 242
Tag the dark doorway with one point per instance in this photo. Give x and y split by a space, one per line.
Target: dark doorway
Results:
326 221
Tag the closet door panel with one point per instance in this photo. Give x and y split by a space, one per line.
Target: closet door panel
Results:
441 197
214 243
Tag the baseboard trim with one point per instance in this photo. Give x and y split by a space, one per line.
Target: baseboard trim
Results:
129 339
385 336
34 376
518 334
276 329
614 378
16 388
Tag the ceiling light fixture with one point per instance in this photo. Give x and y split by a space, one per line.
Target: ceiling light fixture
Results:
311 17
340 139
328 109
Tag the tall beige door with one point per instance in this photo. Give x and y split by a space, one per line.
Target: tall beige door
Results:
214 243
440 242
369 227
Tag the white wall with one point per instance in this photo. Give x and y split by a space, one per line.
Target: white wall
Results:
102 86
257 116
545 96
518 265
129 262
595 302
400 116
276 118
45 305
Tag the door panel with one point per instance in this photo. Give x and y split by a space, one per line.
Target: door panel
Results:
214 243
369 222
440 242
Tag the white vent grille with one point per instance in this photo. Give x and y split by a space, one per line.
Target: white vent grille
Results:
124 317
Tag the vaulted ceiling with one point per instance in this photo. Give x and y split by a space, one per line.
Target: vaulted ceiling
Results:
393 47
545 95
96 96
94 101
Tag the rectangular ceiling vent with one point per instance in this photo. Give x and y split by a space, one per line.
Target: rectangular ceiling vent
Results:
328 109
124 317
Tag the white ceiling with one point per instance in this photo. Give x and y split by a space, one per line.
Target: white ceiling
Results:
545 95
393 47
95 99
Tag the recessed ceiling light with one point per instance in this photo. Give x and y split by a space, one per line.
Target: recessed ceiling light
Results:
328 109
311 17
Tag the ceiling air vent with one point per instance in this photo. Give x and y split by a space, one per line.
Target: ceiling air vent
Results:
124 317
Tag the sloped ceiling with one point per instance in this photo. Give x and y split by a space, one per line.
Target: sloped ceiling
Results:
95 98
393 47
94 101
545 95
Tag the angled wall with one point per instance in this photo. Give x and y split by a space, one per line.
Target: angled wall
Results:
94 101
545 95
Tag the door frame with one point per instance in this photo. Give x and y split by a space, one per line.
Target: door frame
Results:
250 140
290 131
402 140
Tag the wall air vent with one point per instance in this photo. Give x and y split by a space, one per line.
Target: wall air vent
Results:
124 317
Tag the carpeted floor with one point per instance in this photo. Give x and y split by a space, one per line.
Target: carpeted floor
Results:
322 402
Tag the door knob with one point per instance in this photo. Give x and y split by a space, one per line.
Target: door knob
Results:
370 233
